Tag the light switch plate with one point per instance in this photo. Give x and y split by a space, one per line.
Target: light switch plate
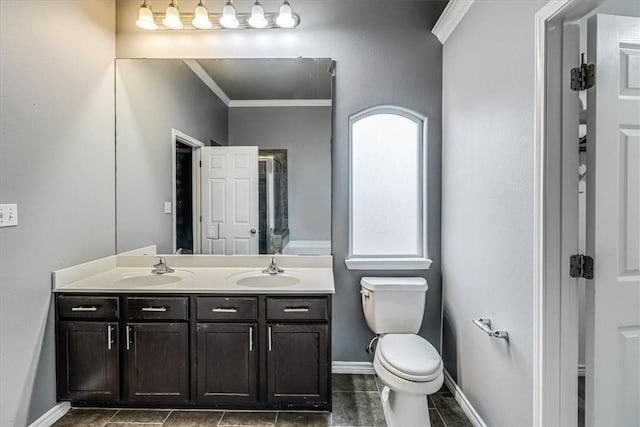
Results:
167 207
8 215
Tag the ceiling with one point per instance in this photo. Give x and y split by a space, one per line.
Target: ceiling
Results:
267 79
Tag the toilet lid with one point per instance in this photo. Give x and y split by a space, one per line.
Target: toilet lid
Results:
410 357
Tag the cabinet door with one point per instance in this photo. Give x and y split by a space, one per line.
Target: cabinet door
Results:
297 363
88 361
157 362
227 362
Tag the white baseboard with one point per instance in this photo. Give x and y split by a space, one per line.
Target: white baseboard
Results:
466 406
338 367
582 370
52 415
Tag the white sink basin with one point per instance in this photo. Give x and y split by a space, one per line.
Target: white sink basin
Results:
258 279
152 279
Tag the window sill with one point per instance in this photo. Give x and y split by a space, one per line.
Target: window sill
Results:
388 263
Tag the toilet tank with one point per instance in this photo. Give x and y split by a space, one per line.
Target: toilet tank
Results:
393 305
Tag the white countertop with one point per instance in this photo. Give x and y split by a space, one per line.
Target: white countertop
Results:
196 274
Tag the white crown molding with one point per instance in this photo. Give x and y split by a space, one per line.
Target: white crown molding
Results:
450 18
246 103
207 80
52 415
338 367
462 400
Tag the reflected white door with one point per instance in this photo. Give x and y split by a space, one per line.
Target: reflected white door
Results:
229 200
613 223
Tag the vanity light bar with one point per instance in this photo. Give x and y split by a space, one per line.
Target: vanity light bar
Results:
201 19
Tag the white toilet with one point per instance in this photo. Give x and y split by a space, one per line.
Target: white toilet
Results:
407 364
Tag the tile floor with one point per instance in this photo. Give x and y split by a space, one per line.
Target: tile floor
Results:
356 402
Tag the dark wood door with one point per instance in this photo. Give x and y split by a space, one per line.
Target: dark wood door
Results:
157 368
297 363
88 361
227 361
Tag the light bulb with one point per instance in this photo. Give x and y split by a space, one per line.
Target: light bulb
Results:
285 17
257 19
201 17
145 17
172 17
228 18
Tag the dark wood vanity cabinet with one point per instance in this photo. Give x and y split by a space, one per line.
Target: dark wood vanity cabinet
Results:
88 367
227 363
197 351
88 348
297 363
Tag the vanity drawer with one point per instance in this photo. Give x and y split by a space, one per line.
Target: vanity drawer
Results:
157 308
227 308
297 309
87 307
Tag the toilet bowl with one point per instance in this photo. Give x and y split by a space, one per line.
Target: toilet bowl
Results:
408 365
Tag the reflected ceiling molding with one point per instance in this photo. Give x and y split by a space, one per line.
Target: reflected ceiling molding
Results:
197 69
246 103
450 18
207 80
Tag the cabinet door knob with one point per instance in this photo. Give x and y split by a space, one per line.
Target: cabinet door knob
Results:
109 339
128 329
250 338
269 338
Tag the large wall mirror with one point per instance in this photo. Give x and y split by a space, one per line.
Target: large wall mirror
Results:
224 156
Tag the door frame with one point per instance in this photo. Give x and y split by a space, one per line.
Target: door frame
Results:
178 136
553 339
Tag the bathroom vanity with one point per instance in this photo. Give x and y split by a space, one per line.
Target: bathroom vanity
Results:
196 337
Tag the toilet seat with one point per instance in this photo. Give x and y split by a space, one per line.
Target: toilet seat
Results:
409 357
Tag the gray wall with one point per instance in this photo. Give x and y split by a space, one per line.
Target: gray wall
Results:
487 207
384 54
152 97
305 132
56 162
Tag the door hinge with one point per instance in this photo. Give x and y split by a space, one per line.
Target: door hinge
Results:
584 76
200 163
581 266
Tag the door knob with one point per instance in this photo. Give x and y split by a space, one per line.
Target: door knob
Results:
253 231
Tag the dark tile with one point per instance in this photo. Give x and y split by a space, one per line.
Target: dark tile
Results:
85 417
132 425
303 419
140 416
357 382
357 409
444 390
248 419
450 411
193 419
436 420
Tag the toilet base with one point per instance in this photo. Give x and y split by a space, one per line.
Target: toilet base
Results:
405 409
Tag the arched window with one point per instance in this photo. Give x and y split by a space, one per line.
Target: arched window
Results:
387 206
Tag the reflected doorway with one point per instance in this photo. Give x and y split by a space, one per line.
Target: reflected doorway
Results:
186 191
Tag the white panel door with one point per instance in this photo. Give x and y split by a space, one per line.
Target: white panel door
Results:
613 223
229 200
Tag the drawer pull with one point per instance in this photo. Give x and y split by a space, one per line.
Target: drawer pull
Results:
82 308
269 336
296 309
128 329
250 338
155 309
224 310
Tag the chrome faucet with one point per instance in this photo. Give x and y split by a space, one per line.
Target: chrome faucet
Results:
161 267
273 267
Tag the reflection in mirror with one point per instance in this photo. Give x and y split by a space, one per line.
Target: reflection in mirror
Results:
224 156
